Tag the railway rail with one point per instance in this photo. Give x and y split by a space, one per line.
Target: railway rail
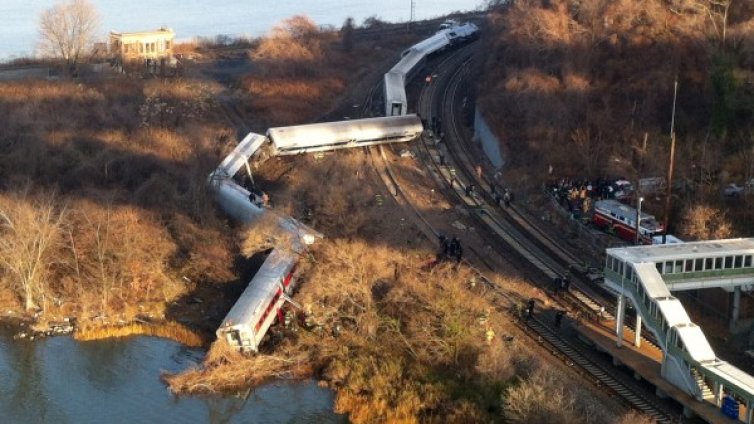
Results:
518 235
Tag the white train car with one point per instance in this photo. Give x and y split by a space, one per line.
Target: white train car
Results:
462 33
396 80
344 134
241 155
435 43
413 58
251 316
395 94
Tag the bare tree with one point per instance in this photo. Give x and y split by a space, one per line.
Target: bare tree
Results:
346 34
67 29
30 233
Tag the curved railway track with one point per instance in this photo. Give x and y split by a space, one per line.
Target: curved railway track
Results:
510 233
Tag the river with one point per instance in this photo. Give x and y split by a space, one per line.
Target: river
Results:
19 19
59 380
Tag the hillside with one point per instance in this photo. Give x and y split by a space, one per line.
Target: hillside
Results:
587 87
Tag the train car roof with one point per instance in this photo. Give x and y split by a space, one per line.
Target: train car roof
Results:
260 290
238 157
408 62
433 43
326 133
687 250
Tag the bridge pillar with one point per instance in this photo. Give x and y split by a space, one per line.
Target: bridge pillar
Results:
736 308
717 390
637 334
620 314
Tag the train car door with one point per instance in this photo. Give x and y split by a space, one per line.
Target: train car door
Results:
397 109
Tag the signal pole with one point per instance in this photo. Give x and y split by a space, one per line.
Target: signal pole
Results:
670 166
413 12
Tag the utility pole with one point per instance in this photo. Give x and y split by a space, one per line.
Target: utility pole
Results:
638 220
670 166
413 12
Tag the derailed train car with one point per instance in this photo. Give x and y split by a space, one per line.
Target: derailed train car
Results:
251 316
245 326
412 60
343 134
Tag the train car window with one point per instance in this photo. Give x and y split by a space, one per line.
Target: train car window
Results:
689 265
668 267
739 261
718 263
678 266
747 261
708 264
646 302
658 265
728 262
699 264
620 267
629 273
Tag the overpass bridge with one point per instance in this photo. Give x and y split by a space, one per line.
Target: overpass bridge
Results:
646 275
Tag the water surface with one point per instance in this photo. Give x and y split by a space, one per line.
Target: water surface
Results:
59 380
19 19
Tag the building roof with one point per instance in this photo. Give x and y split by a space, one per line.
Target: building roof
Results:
161 31
688 250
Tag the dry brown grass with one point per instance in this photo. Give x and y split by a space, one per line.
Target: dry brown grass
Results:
169 330
140 230
411 347
579 84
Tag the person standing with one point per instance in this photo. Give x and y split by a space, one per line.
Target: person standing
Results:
530 309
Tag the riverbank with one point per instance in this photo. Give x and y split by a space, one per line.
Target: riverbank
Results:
102 183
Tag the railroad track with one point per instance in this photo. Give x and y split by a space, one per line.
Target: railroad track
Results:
509 230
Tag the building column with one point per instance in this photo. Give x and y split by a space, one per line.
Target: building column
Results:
620 312
736 307
637 334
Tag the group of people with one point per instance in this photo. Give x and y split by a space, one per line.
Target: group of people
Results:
529 312
256 195
450 249
502 198
578 195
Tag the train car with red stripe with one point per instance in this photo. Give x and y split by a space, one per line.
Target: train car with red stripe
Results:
255 311
620 219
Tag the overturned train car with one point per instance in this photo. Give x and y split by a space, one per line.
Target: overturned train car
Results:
251 316
327 136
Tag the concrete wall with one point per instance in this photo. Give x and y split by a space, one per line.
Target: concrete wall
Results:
489 142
